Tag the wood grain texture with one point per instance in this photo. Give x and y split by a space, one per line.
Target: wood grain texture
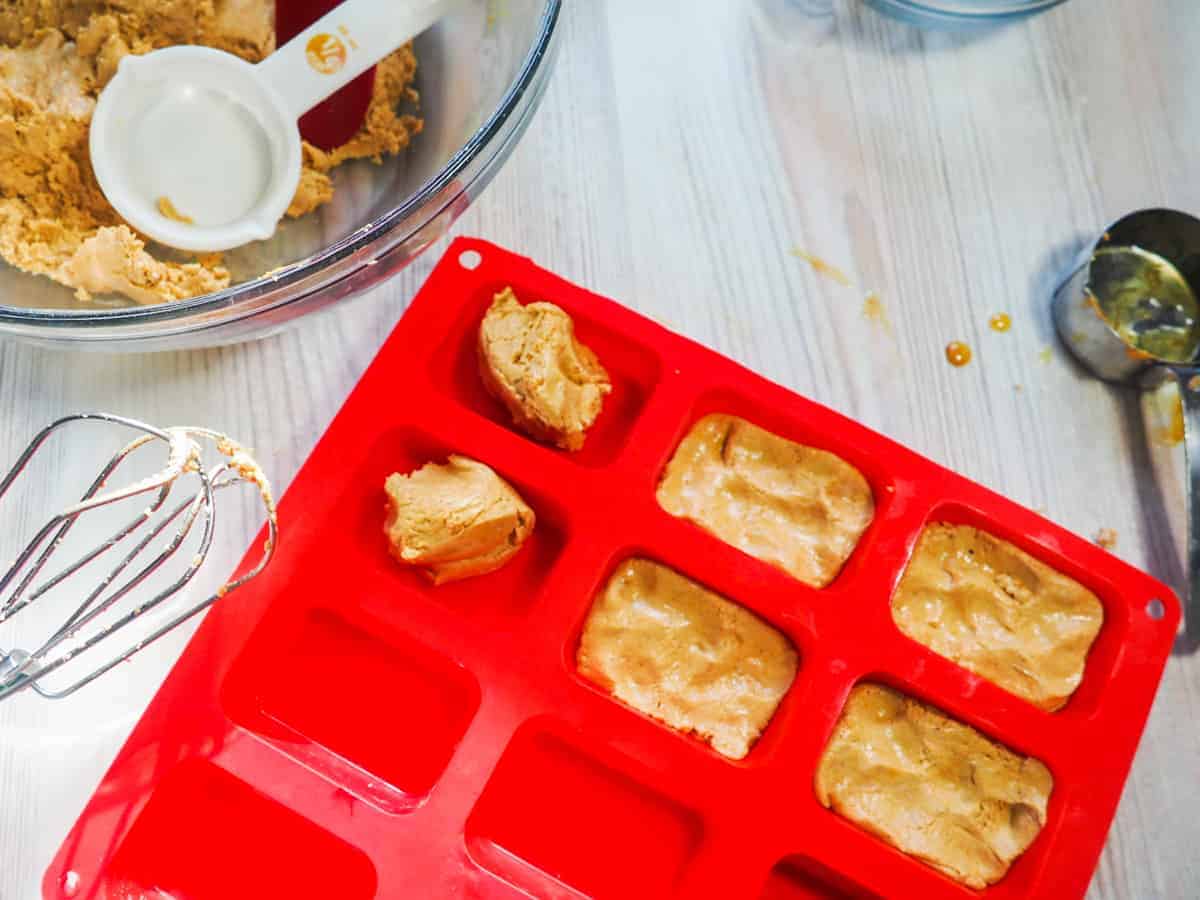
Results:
683 150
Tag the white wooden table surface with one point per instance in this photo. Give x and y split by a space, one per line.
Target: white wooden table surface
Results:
683 149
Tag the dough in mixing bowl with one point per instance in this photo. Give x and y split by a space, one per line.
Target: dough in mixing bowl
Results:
932 787
455 520
551 384
994 609
55 57
686 656
796 507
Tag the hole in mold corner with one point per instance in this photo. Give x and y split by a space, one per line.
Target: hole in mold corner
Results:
206 835
801 878
470 259
633 368
1156 609
543 781
70 884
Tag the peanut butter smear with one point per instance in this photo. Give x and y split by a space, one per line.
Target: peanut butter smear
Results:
167 208
686 656
796 507
455 520
994 609
551 384
55 58
932 787
1107 538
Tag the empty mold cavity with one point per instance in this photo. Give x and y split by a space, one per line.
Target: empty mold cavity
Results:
633 369
801 878
206 835
385 705
552 816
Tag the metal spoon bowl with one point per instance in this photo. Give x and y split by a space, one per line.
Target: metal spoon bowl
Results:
1102 348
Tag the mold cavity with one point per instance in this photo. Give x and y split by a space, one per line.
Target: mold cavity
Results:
800 878
205 833
518 828
500 596
388 706
633 368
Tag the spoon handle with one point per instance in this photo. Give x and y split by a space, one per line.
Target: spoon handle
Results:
337 118
1190 397
342 44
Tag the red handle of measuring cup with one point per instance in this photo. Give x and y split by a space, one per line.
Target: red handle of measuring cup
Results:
336 119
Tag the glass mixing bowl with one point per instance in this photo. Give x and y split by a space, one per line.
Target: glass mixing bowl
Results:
961 13
481 73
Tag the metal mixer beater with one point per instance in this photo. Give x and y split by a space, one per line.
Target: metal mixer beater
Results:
168 538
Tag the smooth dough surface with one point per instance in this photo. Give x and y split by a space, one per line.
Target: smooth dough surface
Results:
551 384
994 609
798 508
932 787
686 656
455 520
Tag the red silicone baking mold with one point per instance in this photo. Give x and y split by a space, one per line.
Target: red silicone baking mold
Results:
341 728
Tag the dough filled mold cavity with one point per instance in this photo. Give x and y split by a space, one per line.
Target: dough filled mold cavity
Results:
796 507
932 787
994 609
530 360
455 520
686 656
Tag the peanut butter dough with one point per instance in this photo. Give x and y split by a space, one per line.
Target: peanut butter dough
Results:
552 385
455 520
795 507
994 609
686 656
56 57
932 787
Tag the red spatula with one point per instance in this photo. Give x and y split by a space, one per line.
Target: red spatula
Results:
335 120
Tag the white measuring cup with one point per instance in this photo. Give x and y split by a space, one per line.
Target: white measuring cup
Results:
200 150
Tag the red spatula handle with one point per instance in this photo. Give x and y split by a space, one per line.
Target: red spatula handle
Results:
334 120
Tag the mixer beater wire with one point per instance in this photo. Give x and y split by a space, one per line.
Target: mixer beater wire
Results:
115 591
